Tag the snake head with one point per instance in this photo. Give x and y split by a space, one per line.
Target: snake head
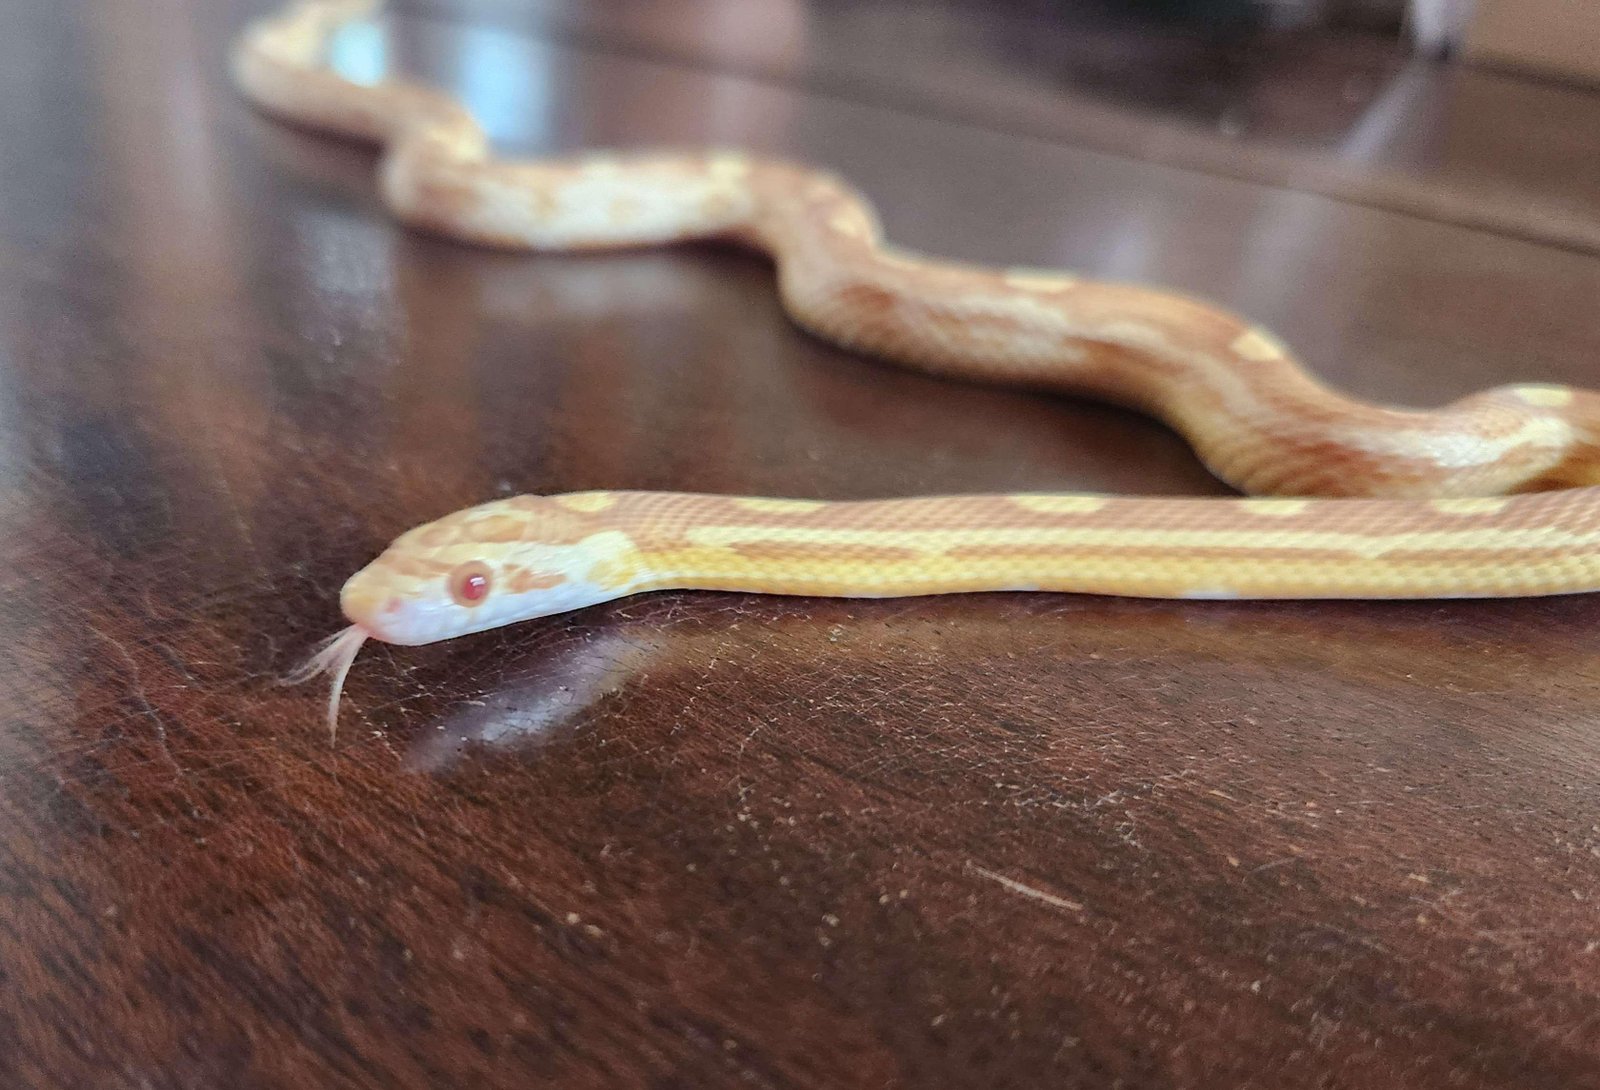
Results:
492 565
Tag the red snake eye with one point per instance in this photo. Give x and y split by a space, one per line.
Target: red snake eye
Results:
469 583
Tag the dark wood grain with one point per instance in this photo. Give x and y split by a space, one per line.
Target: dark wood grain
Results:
698 840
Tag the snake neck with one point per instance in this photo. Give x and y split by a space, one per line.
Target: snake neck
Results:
1166 548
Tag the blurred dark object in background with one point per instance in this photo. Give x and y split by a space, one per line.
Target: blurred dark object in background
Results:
1373 15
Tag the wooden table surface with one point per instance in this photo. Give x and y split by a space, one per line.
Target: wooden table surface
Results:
705 840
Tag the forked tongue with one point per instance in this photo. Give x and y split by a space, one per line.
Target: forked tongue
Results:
333 656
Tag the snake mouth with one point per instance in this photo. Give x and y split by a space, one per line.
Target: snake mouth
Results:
365 600
333 656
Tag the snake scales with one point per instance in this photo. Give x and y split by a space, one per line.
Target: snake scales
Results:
1493 496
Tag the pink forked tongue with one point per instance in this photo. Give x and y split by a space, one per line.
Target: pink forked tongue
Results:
334 656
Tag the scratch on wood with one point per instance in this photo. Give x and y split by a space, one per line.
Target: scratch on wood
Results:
1026 890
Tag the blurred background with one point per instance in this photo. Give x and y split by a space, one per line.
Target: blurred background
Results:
1474 112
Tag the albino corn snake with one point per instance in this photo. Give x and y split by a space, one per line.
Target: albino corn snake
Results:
1492 496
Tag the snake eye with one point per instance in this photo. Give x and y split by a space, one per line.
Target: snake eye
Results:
469 583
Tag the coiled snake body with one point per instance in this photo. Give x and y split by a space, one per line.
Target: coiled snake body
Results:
1491 496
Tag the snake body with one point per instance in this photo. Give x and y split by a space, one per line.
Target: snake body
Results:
1491 496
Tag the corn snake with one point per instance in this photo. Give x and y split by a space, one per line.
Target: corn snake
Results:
1492 496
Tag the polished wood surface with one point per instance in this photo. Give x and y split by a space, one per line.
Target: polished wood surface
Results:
701 840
